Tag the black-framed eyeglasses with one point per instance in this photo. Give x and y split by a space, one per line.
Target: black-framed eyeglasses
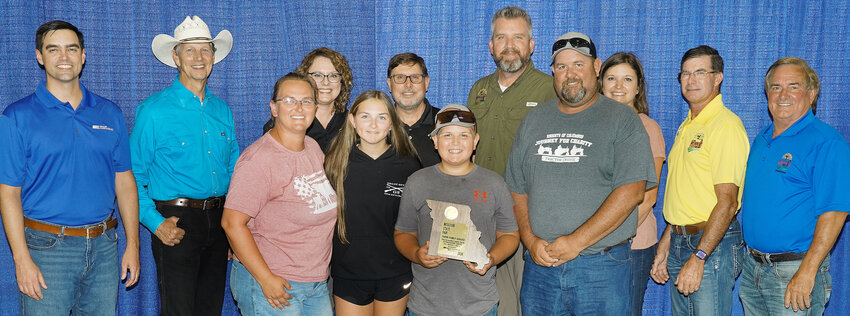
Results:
699 74
577 43
291 102
401 79
332 77
462 116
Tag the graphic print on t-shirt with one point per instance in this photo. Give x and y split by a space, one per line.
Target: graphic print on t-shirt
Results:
394 189
315 189
562 147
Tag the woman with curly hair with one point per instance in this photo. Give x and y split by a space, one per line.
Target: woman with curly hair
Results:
334 79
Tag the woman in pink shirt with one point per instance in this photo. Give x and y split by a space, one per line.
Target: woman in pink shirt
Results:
622 80
280 212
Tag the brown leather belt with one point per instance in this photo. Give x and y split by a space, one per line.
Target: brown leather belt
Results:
90 232
607 249
207 204
776 257
689 229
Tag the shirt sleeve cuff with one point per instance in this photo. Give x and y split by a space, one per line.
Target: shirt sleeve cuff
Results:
150 218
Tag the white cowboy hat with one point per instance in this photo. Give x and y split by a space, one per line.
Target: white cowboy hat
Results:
192 30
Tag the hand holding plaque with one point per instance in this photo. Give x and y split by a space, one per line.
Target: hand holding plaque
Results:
453 235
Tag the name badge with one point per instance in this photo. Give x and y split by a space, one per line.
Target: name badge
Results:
530 103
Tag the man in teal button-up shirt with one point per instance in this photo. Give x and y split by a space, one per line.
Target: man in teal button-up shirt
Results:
183 149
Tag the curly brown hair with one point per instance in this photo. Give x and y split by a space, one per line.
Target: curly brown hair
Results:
341 65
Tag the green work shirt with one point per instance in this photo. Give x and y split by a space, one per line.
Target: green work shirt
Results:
499 113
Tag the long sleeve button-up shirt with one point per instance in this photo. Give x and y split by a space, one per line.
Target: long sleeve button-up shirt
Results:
181 147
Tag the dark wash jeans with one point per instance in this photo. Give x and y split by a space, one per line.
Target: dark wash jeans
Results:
192 273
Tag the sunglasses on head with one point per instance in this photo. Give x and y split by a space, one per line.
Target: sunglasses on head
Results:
448 116
575 42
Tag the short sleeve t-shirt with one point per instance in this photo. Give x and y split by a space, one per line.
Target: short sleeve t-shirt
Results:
568 164
450 288
647 232
292 205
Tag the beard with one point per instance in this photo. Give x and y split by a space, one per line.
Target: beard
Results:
409 106
510 66
565 96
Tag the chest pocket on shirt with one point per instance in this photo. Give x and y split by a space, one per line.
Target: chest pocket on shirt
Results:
177 147
220 145
517 113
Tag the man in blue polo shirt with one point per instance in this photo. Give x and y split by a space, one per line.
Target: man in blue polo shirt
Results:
795 198
184 150
64 169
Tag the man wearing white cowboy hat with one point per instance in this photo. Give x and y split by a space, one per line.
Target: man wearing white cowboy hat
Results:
184 150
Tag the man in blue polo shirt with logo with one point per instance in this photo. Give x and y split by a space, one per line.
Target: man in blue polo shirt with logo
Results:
795 198
184 150
64 169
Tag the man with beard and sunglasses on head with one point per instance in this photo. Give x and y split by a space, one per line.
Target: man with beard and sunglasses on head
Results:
500 102
577 172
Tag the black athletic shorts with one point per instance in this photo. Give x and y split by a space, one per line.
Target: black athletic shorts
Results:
363 292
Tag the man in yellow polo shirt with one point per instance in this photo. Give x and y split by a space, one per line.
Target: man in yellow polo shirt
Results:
702 244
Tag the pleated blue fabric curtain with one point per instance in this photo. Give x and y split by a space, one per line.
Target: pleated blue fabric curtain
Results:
271 37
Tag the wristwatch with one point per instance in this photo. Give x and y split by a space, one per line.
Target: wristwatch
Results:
701 255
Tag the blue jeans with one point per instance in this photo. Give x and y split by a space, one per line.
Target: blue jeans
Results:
493 312
763 286
722 267
81 273
309 299
641 264
595 284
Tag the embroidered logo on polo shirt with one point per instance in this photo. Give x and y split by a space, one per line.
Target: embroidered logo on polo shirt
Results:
562 147
481 96
394 189
479 196
784 163
696 143
103 127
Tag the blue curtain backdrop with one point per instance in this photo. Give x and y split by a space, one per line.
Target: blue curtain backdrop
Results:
272 37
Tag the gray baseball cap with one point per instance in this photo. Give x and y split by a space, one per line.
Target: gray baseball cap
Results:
459 119
576 41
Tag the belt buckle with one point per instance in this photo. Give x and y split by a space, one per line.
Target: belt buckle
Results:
102 227
765 257
215 199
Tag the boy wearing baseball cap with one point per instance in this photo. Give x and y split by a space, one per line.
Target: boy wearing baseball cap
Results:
451 287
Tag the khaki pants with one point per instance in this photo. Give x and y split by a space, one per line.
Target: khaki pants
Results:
509 282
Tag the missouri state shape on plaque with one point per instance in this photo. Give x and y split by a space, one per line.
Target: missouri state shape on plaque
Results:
454 236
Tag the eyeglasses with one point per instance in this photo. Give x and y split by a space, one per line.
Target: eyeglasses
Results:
401 79
577 43
291 102
332 77
462 116
699 74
